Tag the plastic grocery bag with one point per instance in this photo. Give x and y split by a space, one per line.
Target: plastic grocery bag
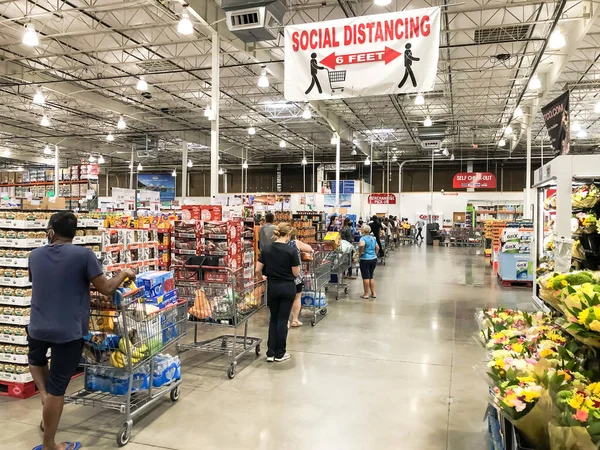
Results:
569 438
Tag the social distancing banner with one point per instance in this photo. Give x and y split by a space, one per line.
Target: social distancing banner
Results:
381 54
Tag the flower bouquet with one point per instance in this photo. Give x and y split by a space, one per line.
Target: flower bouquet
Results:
585 196
587 222
550 203
581 306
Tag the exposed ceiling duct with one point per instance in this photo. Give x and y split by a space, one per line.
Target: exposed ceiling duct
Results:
254 21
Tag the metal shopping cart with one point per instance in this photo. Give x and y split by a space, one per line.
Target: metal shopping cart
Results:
122 359
383 252
335 77
340 263
316 277
220 296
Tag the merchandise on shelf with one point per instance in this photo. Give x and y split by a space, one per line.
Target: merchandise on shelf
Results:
135 249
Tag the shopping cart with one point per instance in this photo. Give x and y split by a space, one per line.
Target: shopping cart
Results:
123 370
316 276
382 252
340 263
336 76
221 296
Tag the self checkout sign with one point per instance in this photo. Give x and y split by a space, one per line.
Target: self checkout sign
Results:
381 54
476 180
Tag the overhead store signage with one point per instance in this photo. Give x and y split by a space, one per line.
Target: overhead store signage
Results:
475 180
393 53
382 199
343 167
556 117
346 187
164 183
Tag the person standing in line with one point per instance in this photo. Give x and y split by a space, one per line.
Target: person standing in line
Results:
61 274
368 250
265 232
333 224
375 225
297 306
420 224
348 236
280 264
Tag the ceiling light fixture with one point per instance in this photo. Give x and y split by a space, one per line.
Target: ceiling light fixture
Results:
518 112
282 144
263 80
221 172
582 134
353 153
427 122
508 130
121 125
557 40
245 165
101 160
92 158
445 152
382 2
367 161
30 37
174 173
110 137
251 131
45 122
334 139
306 114
47 150
394 158
597 108
419 99
190 163
185 26
142 85
535 82
304 161
38 98
502 143
139 167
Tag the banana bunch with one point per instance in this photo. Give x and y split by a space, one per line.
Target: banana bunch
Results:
120 358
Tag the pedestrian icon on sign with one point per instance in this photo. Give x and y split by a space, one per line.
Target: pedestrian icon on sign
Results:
314 69
408 60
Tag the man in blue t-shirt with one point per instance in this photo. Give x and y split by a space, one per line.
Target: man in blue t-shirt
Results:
61 274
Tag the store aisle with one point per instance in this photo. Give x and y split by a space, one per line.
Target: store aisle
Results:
400 372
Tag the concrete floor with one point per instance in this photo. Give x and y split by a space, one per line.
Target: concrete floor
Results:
400 372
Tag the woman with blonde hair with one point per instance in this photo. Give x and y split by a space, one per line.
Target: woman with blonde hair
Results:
297 306
280 264
368 250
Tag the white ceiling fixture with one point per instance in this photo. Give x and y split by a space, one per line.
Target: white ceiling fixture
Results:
502 142
427 122
263 80
110 137
101 160
121 125
581 134
30 37
142 84
452 157
394 158
576 126
221 171
38 98
130 165
92 158
45 122
174 173
353 153
597 108
334 139
306 114
185 25
139 167
557 40
445 152
419 99
19 169
251 131
282 144
382 2
518 112
304 161
47 150
508 130
190 163
245 165
535 82
208 112
367 161
6 152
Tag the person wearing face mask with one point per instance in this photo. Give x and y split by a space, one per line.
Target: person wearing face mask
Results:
61 274
280 263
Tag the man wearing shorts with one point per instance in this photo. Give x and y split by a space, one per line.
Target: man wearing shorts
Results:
60 311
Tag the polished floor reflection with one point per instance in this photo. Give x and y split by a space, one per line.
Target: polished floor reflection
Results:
397 372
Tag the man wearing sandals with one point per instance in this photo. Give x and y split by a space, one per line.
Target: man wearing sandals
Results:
60 311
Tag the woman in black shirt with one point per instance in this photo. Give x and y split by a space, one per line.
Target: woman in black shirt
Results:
279 262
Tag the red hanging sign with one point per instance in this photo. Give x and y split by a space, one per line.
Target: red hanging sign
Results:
475 180
382 199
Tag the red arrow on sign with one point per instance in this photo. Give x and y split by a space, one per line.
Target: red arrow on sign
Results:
387 55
